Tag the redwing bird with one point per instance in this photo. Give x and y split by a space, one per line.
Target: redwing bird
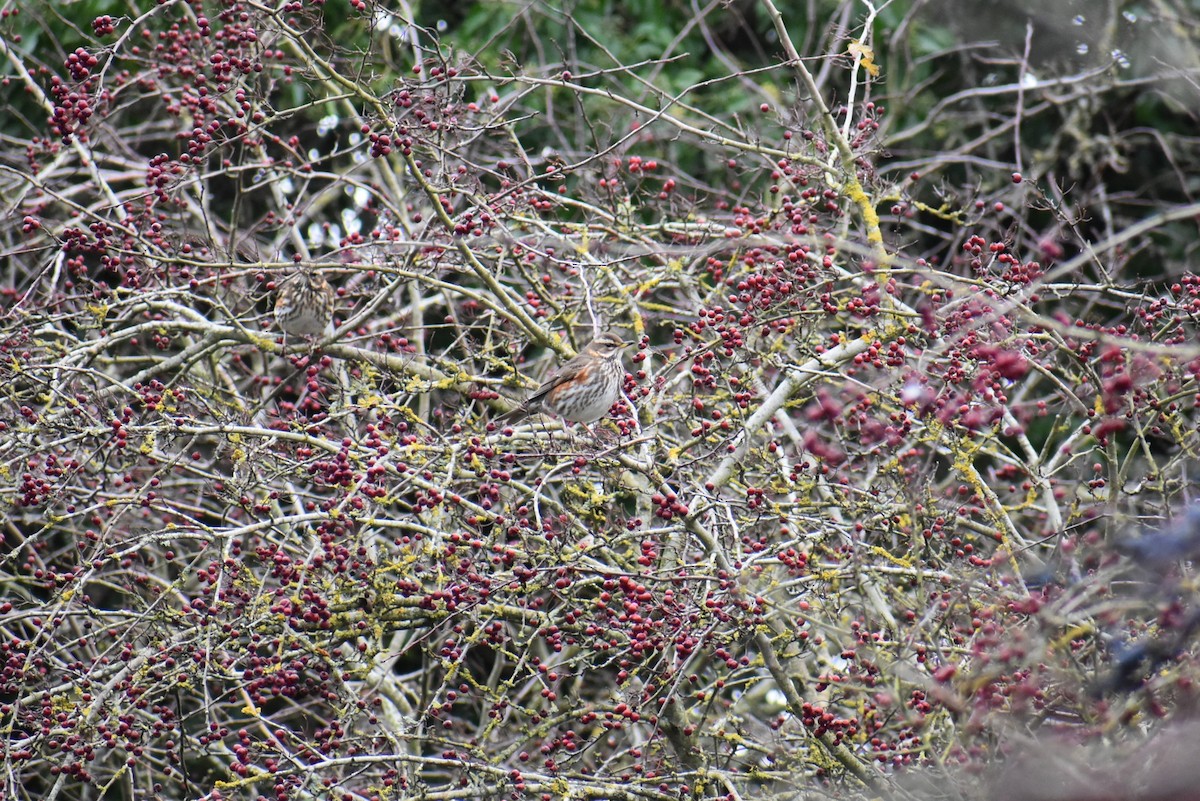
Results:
583 389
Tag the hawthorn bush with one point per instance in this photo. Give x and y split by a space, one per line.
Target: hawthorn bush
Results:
897 492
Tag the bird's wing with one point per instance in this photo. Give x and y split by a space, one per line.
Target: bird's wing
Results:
568 372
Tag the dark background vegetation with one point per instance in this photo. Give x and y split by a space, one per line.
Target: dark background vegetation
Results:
899 499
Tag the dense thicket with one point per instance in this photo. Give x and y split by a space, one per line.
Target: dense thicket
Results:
897 493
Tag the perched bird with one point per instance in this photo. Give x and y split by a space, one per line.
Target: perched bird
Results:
583 389
304 304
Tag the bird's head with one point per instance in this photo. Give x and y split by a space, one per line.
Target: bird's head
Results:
607 346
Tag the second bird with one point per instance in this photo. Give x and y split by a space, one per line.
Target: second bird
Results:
304 304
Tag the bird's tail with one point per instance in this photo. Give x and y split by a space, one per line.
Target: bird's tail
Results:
519 413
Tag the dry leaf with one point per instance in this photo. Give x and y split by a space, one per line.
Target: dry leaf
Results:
866 57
